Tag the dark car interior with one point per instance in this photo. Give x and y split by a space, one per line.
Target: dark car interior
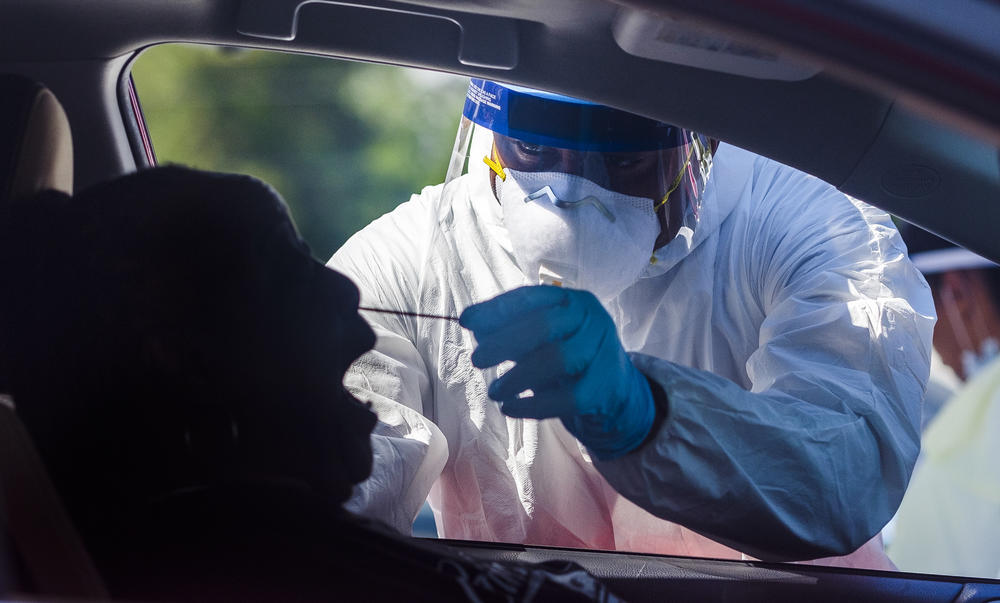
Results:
912 132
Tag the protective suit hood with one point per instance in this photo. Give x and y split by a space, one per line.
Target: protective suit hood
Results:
720 197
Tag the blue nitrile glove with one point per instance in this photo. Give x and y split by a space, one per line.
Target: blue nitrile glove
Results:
567 352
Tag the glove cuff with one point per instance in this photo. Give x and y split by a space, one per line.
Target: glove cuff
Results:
638 416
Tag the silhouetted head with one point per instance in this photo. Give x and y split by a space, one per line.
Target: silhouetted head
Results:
170 329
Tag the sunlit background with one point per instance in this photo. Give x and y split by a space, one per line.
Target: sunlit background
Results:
343 142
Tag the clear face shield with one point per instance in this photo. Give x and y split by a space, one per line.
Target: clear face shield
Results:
587 192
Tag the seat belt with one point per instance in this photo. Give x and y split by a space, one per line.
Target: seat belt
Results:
47 543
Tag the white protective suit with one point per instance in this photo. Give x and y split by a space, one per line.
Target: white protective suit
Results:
788 329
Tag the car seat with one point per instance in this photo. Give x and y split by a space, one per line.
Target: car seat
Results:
43 553
36 148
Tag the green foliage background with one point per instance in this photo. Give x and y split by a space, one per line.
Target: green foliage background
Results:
343 142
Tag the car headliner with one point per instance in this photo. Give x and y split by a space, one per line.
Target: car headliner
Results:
904 112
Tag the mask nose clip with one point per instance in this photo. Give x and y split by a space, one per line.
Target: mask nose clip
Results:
546 192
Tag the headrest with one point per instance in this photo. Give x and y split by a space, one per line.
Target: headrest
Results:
36 148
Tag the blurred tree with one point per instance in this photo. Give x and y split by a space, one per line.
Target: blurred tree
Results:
343 142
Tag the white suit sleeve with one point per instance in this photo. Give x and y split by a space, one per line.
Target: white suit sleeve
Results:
409 450
814 459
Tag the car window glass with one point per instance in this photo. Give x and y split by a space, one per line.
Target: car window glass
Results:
342 142
776 335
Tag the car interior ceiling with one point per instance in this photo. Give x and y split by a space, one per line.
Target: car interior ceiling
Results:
865 122
868 150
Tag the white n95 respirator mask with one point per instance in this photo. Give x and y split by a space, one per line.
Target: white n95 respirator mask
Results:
567 230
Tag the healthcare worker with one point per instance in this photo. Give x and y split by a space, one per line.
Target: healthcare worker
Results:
726 356
950 517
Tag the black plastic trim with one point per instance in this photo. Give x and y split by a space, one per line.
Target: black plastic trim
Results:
140 144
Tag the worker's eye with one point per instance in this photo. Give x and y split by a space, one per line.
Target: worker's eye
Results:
521 155
625 161
526 148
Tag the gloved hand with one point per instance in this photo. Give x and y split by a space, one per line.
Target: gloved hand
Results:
567 352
